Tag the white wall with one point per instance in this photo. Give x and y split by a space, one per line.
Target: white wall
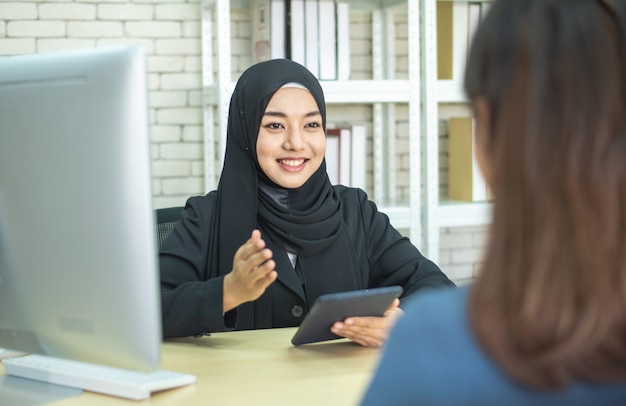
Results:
169 31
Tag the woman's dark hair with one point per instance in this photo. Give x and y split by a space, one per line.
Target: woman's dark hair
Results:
549 304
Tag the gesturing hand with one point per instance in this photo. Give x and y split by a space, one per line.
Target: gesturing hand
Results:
368 331
253 271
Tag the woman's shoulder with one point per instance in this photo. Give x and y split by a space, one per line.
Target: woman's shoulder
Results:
202 204
428 351
199 210
347 192
352 197
435 322
441 308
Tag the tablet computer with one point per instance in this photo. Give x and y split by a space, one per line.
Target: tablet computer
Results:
333 307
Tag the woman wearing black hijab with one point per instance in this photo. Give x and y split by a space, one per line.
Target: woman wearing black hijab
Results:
275 235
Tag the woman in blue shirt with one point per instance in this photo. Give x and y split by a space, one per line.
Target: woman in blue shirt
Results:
545 320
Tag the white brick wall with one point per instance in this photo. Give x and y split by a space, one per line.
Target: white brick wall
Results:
169 32
461 250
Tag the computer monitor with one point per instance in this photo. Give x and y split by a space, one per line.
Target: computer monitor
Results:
78 256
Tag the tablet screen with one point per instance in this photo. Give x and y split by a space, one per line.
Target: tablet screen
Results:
333 307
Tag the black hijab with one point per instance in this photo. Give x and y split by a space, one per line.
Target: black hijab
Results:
306 220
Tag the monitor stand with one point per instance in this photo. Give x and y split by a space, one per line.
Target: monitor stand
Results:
27 392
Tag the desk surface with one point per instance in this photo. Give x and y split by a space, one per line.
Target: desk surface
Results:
258 367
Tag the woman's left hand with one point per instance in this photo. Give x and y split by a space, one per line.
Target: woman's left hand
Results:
368 331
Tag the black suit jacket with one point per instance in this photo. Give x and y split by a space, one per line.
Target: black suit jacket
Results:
191 294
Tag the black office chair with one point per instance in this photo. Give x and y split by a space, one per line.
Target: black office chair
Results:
166 218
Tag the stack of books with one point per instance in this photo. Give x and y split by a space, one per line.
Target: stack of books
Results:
456 25
314 33
346 155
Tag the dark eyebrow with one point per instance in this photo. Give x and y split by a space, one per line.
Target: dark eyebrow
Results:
280 114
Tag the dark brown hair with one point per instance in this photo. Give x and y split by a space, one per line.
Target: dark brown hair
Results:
549 304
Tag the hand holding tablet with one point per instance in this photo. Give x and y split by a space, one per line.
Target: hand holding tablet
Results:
334 307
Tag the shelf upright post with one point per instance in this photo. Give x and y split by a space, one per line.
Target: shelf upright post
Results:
215 16
415 128
210 175
389 110
223 72
430 132
380 172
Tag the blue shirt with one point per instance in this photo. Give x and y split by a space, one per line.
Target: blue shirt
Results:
432 358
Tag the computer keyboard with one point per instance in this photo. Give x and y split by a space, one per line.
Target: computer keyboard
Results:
96 378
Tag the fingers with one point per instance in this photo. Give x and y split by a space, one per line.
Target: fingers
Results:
263 275
394 310
368 331
253 271
362 330
253 258
253 250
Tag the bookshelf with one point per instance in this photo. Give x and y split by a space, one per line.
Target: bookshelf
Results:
423 213
440 211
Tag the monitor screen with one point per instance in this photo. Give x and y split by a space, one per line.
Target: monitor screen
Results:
78 256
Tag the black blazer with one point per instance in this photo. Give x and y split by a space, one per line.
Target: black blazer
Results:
191 294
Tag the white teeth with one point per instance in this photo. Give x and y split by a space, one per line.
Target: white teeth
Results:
291 162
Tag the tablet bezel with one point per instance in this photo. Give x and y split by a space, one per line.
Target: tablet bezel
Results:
333 307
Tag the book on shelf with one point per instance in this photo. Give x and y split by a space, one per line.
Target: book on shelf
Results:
278 30
311 37
314 33
359 156
268 29
465 181
346 155
445 27
456 25
332 156
474 15
460 39
297 41
327 19
343 40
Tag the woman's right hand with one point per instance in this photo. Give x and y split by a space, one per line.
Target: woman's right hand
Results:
253 271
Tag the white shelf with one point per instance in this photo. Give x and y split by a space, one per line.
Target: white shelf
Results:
449 214
450 91
344 91
462 214
366 91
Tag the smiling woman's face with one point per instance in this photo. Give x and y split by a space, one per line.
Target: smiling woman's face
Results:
291 142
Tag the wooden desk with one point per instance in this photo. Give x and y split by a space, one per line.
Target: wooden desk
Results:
258 367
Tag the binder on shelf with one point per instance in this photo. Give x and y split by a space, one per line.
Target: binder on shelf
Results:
332 156
460 39
465 181
346 155
445 30
297 42
456 25
343 41
328 39
311 37
338 155
278 30
268 29
359 156
474 15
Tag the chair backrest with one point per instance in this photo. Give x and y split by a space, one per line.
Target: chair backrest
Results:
166 218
